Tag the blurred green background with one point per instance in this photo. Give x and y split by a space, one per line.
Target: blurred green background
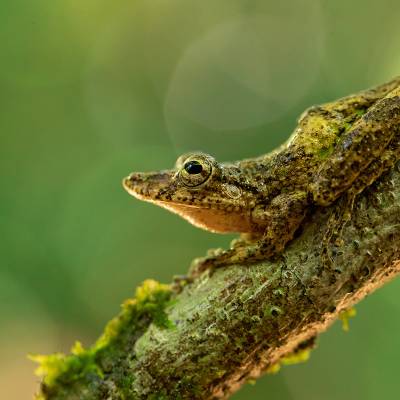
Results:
92 90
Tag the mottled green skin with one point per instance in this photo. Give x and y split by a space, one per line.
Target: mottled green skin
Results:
344 144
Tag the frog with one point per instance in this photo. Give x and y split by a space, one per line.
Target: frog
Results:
337 150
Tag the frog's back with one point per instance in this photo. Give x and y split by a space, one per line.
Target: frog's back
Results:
318 131
320 127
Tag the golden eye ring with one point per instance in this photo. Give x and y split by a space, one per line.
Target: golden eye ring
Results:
195 171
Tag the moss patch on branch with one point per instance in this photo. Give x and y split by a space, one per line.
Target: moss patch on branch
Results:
93 364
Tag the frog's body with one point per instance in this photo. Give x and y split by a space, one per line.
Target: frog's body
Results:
337 148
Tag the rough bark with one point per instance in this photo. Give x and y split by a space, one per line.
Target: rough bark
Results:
225 329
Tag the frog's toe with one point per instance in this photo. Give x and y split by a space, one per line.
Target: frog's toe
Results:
199 265
212 253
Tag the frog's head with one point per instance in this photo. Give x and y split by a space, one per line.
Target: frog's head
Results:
208 194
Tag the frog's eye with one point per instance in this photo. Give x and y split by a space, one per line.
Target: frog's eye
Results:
195 171
193 167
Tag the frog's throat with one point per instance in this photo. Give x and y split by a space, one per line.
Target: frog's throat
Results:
210 219
207 218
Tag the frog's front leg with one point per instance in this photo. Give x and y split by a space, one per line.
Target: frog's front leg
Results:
357 148
283 217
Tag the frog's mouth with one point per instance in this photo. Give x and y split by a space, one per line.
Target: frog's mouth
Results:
153 188
147 186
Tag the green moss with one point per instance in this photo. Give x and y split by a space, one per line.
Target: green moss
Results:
50 367
149 304
151 298
273 369
297 357
345 316
361 111
325 152
78 364
347 126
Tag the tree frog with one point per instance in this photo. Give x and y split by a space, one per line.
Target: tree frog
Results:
337 149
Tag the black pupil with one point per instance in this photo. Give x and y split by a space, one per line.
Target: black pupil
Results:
193 167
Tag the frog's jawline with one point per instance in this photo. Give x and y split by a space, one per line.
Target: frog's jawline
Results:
208 218
218 221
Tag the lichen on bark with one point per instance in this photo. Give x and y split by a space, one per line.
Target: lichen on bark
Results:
229 328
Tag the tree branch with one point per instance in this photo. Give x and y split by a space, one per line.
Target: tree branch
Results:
223 330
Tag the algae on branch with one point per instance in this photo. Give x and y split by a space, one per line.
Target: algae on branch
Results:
148 306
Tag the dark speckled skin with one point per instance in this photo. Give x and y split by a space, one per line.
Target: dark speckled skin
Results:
337 148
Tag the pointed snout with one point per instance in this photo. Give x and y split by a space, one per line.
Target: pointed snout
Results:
131 181
137 184
146 185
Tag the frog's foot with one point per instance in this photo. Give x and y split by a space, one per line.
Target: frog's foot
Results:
338 219
213 260
241 254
